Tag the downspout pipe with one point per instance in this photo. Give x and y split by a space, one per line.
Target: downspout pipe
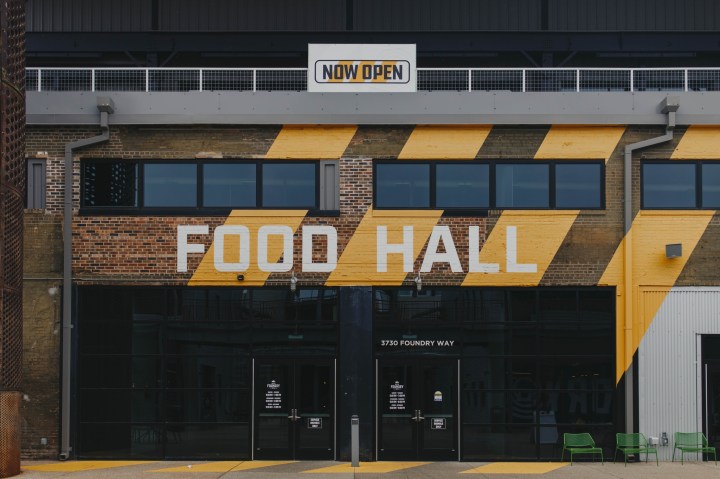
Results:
668 106
105 107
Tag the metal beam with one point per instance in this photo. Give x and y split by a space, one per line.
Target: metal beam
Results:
428 43
498 108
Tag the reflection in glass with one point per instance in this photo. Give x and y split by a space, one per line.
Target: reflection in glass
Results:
462 186
522 186
711 185
170 184
402 186
668 185
578 186
229 184
289 185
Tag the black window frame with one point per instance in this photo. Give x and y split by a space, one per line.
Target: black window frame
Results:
698 165
198 209
492 184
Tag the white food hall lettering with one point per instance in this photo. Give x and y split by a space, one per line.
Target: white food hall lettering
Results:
447 254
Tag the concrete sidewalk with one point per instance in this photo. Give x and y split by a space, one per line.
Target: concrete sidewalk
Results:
338 470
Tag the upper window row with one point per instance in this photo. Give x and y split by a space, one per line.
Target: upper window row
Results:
681 184
489 185
247 184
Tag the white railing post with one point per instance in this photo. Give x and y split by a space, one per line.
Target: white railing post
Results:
254 72
686 80
632 80
469 79
523 78
201 79
39 79
577 80
92 80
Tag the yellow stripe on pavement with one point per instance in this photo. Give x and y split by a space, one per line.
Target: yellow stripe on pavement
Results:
223 466
366 467
516 468
75 466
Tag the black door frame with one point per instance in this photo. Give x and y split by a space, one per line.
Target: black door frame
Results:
417 360
293 361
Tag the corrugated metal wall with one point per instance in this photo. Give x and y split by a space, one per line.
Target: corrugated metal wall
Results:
88 15
452 15
669 367
634 15
372 15
252 15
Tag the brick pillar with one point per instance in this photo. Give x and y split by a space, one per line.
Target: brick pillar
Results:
12 191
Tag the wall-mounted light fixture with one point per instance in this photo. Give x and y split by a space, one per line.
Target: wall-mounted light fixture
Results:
418 282
673 250
293 282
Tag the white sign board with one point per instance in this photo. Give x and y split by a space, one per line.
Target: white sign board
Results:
361 68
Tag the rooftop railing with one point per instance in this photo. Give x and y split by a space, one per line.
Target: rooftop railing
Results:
428 79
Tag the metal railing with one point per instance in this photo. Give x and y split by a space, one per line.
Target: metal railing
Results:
428 79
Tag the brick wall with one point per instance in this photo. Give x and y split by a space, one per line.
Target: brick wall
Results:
144 248
41 336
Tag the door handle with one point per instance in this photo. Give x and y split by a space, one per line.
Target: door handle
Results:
293 415
418 417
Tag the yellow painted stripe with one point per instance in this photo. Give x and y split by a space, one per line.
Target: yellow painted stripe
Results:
699 143
366 467
311 142
76 466
207 275
223 466
580 142
516 468
438 142
650 232
539 236
541 233
357 263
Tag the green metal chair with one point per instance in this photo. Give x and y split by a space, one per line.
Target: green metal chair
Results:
581 443
633 443
692 442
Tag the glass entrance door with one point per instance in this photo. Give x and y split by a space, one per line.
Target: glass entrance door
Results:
294 409
417 409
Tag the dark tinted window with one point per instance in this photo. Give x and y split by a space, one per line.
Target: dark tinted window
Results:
226 184
289 185
110 183
170 184
402 185
578 186
670 185
462 186
522 186
711 185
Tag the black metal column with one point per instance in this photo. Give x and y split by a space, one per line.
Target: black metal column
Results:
356 371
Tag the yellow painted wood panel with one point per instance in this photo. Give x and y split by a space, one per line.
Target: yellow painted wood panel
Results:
439 142
311 142
650 232
579 142
699 143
